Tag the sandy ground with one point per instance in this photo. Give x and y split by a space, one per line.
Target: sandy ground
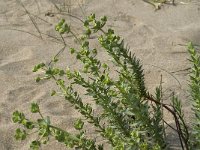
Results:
156 37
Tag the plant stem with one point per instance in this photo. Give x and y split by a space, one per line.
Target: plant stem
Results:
174 113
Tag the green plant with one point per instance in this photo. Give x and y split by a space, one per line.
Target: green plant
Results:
131 117
195 95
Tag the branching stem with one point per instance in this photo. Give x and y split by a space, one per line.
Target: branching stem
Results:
176 118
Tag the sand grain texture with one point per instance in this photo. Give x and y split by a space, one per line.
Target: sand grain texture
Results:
156 37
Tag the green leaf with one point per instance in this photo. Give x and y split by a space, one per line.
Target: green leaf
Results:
62 21
66 28
44 140
100 147
78 125
20 134
55 59
35 108
78 56
49 71
61 72
72 50
85 44
57 27
38 79
104 19
53 93
105 66
91 18
35 145
28 124
60 136
18 117
37 67
62 31
86 23
44 130
88 32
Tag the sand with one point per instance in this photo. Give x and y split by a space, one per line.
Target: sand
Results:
158 38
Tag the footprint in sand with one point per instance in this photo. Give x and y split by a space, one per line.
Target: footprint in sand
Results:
13 98
190 32
21 94
139 33
21 55
126 21
15 64
21 97
6 138
141 36
59 107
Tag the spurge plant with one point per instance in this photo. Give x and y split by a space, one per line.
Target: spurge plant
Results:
130 117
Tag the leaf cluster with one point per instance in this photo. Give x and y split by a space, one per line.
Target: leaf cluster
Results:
131 117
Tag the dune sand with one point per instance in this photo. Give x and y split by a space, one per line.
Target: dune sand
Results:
158 38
